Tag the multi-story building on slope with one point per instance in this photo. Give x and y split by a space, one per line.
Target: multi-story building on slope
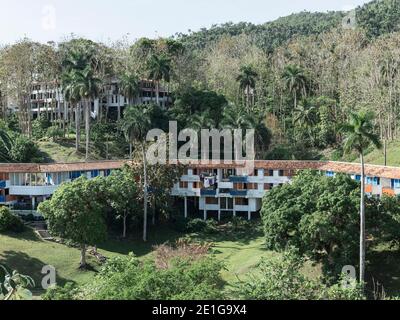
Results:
207 190
48 99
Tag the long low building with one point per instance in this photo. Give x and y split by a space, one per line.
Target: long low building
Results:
211 189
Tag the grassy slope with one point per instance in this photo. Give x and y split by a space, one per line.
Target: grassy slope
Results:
393 155
28 254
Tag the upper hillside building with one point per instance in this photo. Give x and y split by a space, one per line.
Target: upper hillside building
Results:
49 99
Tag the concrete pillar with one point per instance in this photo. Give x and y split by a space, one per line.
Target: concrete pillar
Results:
205 215
249 215
33 203
219 209
186 207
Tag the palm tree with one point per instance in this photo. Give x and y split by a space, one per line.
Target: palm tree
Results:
129 87
359 136
295 81
305 115
202 121
159 68
234 118
135 125
247 81
87 86
71 95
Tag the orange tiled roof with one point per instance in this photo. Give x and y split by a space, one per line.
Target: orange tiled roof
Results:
339 167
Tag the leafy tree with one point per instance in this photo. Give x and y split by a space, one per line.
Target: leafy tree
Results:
379 17
135 125
191 102
123 195
281 278
9 221
317 215
359 136
24 150
73 214
40 126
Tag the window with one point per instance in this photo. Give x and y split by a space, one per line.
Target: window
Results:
268 186
226 204
183 185
240 186
375 181
281 173
212 201
242 202
75 175
395 183
252 186
268 173
357 178
330 174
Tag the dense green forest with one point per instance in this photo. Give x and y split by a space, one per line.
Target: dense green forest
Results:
295 80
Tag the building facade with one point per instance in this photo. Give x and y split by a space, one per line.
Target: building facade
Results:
211 190
48 99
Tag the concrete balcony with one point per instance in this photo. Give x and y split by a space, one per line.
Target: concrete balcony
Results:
239 193
190 178
208 193
32 191
225 185
184 193
238 179
255 179
259 194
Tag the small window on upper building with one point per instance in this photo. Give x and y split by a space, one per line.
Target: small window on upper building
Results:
395 183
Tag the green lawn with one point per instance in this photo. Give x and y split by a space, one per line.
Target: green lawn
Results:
240 253
28 254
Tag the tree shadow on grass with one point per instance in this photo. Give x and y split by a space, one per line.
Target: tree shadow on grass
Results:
384 269
27 235
29 266
157 235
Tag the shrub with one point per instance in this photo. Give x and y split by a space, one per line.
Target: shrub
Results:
24 150
196 225
54 133
65 293
39 127
281 279
126 278
9 221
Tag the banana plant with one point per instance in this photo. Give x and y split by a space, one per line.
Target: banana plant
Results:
14 286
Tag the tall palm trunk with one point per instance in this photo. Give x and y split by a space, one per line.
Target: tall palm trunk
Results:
78 125
124 225
158 92
248 97
87 127
145 194
362 222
